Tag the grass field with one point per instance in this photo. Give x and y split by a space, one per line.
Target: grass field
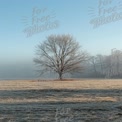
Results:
85 100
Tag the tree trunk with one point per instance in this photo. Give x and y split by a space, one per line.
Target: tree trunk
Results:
60 75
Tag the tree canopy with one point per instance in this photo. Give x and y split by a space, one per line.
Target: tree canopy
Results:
60 54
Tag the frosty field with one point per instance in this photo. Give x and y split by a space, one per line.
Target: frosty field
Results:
84 100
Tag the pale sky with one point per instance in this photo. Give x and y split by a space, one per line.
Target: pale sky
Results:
20 18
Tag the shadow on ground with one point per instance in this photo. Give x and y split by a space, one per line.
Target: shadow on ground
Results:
61 111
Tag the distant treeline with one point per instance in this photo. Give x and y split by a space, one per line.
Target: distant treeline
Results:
103 66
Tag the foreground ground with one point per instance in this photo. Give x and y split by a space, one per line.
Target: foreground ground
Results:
61 101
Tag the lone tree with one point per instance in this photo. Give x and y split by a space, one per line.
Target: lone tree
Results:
60 54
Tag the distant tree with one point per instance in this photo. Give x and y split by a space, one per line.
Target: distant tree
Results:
100 60
93 62
60 54
108 66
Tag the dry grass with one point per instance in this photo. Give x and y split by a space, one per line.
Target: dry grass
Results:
55 84
90 100
75 84
54 99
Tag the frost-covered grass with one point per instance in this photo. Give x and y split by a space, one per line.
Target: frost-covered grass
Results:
76 100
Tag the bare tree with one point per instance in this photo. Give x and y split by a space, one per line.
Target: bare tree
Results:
60 54
93 61
100 60
116 60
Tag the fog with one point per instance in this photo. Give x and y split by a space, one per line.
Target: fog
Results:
17 71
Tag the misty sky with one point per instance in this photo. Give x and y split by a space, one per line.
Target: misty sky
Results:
96 25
